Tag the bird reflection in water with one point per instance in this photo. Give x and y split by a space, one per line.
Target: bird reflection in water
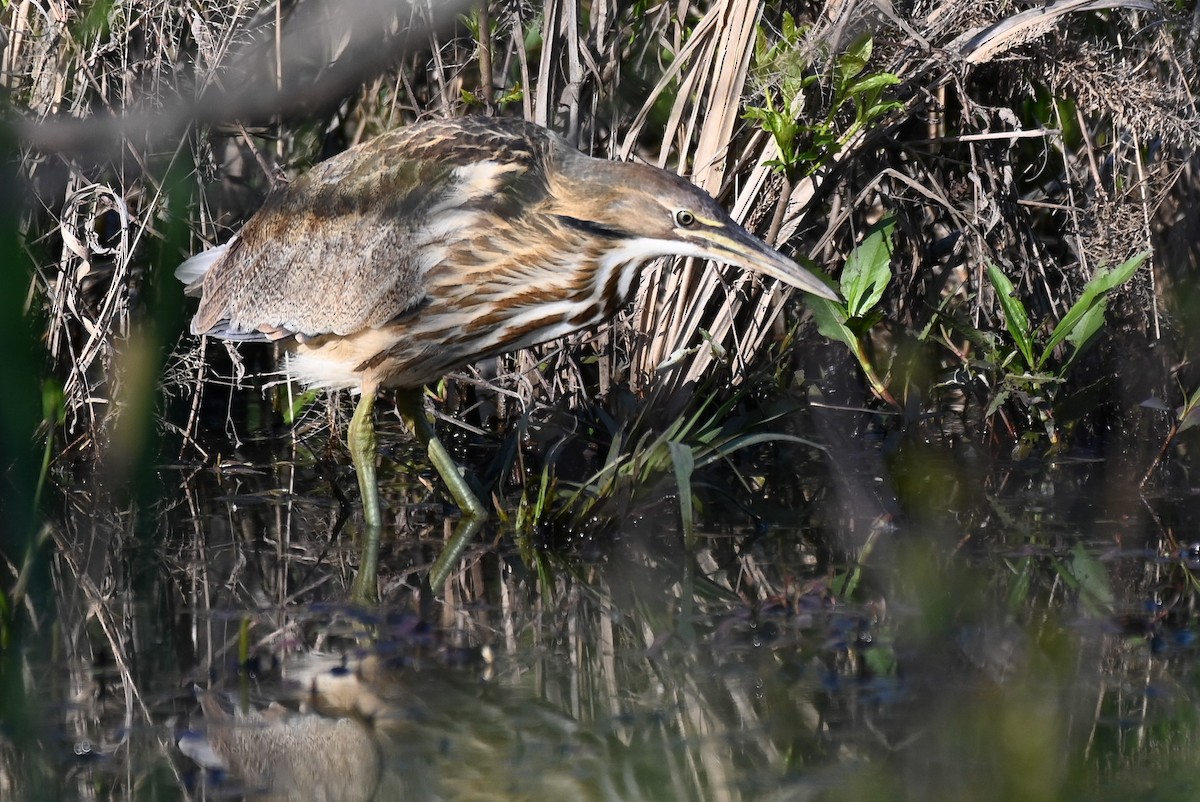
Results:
363 730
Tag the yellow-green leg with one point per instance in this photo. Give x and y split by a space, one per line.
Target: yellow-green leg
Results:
364 450
413 411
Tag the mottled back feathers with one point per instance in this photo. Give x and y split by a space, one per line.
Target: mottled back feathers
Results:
346 246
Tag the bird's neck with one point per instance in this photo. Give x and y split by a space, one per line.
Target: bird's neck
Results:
619 269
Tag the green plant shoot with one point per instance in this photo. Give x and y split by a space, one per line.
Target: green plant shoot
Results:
864 280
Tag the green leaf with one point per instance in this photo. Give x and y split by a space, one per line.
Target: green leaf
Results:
868 269
864 323
871 83
1016 319
513 95
997 401
831 319
1018 592
471 23
1186 413
860 49
1189 417
779 126
1083 331
879 109
791 32
852 62
882 661
1105 281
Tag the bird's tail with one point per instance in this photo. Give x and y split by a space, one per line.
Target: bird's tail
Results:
192 271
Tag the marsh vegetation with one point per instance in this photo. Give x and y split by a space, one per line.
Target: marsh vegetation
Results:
935 540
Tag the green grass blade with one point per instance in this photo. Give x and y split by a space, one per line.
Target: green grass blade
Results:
685 464
737 443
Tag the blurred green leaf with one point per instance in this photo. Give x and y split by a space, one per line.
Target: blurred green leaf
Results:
54 406
301 402
881 659
1019 590
791 31
724 449
471 23
54 414
684 462
514 95
1090 578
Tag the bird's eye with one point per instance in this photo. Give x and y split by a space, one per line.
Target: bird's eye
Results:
684 218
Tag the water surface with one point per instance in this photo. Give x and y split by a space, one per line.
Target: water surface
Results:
1009 631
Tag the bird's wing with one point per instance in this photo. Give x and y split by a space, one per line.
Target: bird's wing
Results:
346 246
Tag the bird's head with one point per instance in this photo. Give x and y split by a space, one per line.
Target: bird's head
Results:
659 213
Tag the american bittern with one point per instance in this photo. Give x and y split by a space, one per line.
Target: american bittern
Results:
443 243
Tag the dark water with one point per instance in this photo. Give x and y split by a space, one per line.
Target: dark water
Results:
1011 631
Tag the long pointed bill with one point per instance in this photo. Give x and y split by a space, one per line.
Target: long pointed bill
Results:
738 247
